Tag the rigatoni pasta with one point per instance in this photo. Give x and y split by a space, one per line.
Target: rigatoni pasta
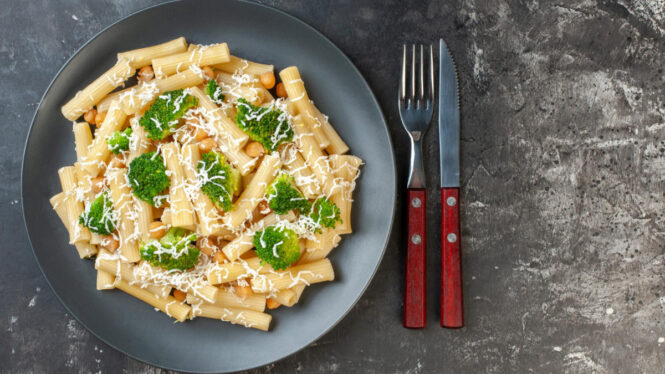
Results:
200 192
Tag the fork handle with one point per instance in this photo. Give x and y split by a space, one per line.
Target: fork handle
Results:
452 309
415 301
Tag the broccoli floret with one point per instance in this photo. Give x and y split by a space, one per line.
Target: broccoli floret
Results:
173 251
325 213
219 180
147 177
98 217
119 140
163 115
283 195
214 91
278 246
267 126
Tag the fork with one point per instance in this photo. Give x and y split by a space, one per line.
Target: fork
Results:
415 111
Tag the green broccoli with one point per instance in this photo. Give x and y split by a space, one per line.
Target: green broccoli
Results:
163 115
324 213
283 195
119 140
147 177
173 251
98 217
267 126
278 246
214 91
219 180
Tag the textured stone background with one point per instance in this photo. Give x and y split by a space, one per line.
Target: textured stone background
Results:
563 159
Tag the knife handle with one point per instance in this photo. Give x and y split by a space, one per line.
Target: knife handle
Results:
415 299
452 301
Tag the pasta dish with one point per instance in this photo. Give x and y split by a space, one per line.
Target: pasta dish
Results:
206 188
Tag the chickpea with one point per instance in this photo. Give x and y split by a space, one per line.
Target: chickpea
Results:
243 291
219 257
99 118
267 80
97 184
90 115
280 90
157 229
264 207
117 163
110 243
254 149
179 295
209 73
206 245
272 303
199 134
146 74
207 144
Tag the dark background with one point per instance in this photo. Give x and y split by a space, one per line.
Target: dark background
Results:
563 168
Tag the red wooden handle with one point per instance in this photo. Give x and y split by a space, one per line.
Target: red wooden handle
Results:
415 299
452 301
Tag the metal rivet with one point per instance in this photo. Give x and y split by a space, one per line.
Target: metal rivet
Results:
452 238
451 201
416 202
416 239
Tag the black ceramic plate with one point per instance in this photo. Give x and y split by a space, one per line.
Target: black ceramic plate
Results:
255 32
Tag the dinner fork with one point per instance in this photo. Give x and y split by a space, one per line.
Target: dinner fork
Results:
415 111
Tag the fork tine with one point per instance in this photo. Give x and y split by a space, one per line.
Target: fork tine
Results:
431 72
422 74
413 72
403 83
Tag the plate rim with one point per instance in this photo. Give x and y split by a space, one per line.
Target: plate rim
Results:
247 2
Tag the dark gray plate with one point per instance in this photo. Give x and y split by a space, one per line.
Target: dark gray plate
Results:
255 32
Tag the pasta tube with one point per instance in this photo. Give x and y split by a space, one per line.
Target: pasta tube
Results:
95 91
346 169
227 298
337 145
320 247
77 232
313 155
237 64
99 151
198 56
125 271
182 213
244 317
188 78
210 222
231 271
58 203
105 280
305 179
252 194
295 88
121 195
313 272
141 57
82 139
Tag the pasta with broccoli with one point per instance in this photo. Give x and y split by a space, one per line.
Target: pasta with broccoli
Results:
208 189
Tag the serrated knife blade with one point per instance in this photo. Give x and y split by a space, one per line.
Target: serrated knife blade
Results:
449 119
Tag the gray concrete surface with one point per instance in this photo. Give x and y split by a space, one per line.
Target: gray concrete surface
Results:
563 166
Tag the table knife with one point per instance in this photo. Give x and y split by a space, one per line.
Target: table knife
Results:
452 310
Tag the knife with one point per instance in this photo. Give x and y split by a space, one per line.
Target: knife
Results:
452 310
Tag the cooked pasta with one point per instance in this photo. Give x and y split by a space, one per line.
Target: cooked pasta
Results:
200 192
